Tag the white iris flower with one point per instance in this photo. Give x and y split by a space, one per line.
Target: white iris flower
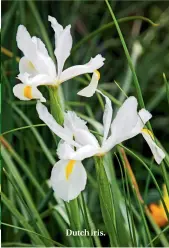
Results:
68 176
37 68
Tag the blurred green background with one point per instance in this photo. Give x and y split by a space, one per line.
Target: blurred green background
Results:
30 146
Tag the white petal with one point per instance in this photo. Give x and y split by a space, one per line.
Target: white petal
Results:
143 117
90 67
18 91
45 65
84 137
65 151
26 66
125 119
91 88
47 118
58 29
25 44
62 51
123 124
73 122
34 51
157 152
85 152
24 78
107 116
39 79
68 189
40 46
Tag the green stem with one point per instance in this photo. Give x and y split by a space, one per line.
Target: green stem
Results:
73 210
55 105
74 217
106 201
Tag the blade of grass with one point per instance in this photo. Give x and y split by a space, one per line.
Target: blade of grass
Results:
9 17
167 86
85 217
132 180
32 232
36 134
136 82
129 212
110 25
36 240
24 166
152 176
18 179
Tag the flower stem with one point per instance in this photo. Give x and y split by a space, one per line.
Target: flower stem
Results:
55 105
106 200
73 211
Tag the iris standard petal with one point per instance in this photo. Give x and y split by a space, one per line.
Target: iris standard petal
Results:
107 116
73 122
123 124
63 48
84 137
90 67
58 29
40 46
25 44
68 179
157 152
35 51
91 88
125 119
47 118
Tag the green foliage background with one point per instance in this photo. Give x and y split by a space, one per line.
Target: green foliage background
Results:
29 154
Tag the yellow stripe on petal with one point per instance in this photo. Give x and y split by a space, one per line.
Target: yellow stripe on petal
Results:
146 131
31 65
97 73
28 92
69 168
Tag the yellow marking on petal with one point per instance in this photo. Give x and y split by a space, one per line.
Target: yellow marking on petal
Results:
31 65
97 73
146 131
69 168
28 92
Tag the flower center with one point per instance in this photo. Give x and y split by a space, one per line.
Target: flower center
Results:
146 131
69 168
97 73
101 154
28 92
